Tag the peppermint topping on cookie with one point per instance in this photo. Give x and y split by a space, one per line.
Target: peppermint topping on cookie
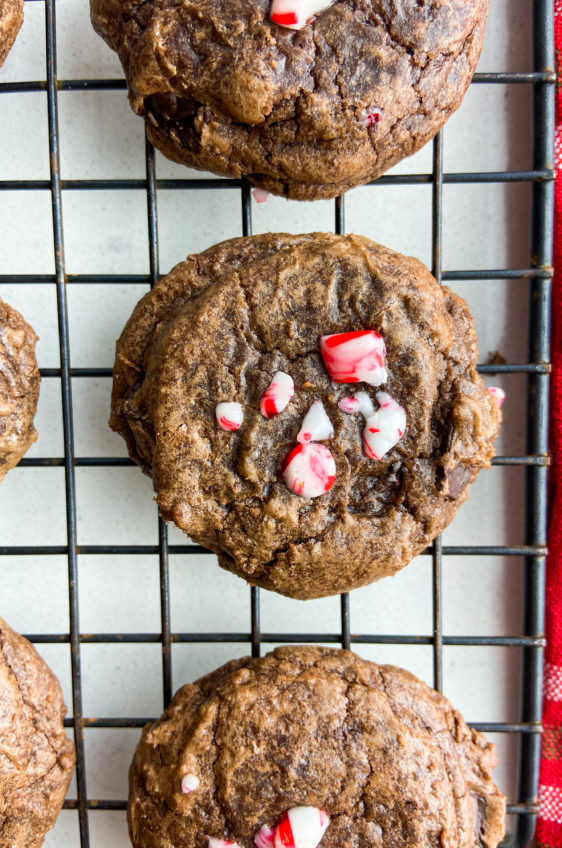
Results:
349 405
496 393
365 404
355 357
301 827
265 837
295 14
189 783
384 428
309 470
316 425
229 415
277 395
369 116
260 195
221 843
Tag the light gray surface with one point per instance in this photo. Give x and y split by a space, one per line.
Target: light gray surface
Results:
106 232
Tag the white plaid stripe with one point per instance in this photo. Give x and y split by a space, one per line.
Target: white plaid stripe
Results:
553 682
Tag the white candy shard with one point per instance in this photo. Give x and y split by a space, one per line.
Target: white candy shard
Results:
365 404
355 357
229 415
316 426
189 783
301 827
309 470
277 395
221 843
384 428
265 837
260 195
497 393
295 14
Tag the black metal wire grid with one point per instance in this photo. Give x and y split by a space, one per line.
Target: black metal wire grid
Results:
535 461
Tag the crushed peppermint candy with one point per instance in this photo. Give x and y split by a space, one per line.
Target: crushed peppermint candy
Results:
221 843
229 415
189 783
384 428
370 116
309 470
277 395
355 357
301 827
295 14
496 393
260 195
349 405
265 837
316 425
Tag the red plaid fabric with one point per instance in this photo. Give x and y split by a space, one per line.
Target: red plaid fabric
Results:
549 826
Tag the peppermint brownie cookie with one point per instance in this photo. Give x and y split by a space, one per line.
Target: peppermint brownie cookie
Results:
36 756
305 98
310 745
11 19
234 387
19 387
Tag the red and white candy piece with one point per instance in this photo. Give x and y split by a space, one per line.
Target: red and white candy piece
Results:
384 428
355 357
360 402
265 837
301 827
189 783
309 470
277 395
294 14
496 393
229 415
260 195
316 426
370 116
222 843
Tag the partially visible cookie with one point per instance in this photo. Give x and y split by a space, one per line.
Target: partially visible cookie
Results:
305 114
19 387
36 756
384 761
11 19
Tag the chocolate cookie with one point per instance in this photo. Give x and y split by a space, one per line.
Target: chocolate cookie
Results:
305 114
11 19
359 754
19 387
36 756
230 334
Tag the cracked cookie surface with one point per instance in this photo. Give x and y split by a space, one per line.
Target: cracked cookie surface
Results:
220 325
36 756
223 89
19 387
387 758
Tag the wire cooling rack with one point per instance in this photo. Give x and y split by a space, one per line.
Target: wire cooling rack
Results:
535 461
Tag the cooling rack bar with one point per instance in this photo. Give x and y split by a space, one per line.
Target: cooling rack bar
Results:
135 721
119 84
215 184
464 550
124 461
290 638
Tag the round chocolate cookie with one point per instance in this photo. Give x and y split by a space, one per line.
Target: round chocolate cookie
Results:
380 757
19 387
216 332
36 756
11 19
305 114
